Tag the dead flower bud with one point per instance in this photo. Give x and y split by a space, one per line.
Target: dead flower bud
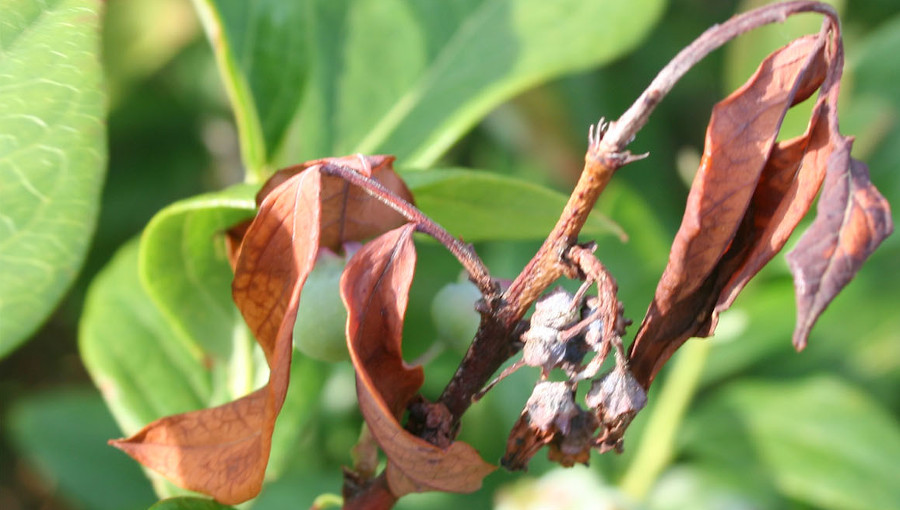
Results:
616 398
551 411
555 310
574 446
552 404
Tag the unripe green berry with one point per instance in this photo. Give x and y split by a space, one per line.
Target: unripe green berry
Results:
454 315
319 331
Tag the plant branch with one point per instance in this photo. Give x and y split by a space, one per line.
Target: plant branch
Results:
478 272
622 131
606 153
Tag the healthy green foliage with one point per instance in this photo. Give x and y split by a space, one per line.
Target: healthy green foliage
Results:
52 155
820 440
60 431
184 267
472 205
404 77
143 366
252 41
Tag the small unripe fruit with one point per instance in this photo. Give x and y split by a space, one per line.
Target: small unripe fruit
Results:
319 331
454 315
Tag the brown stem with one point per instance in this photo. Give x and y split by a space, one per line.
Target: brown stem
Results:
491 346
478 272
622 131
371 494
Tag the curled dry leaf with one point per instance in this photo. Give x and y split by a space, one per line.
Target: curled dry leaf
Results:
348 212
853 218
223 452
747 196
375 289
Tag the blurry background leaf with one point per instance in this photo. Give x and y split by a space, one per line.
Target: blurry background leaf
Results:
819 440
476 206
253 42
131 53
876 72
63 435
52 155
409 78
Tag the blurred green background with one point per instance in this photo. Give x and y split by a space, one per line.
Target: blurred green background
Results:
738 421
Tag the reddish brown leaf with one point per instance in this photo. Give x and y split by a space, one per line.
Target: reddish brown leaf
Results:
852 219
742 170
786 190
348 212
375 289
266 276
223 451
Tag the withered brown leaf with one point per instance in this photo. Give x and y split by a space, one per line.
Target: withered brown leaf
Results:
734 204
348 212
852 219
375 289
223 452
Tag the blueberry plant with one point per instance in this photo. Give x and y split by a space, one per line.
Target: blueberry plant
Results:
250 291
748 196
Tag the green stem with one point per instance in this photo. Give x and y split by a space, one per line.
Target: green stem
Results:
327 501
246 117
657 445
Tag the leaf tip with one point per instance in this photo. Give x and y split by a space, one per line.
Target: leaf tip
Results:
800 338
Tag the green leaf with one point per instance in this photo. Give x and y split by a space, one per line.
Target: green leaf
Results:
820 440
760 324
480 206
874 65
875 96
409 77
301 406
142 367
52 154
696 485
63 434
187 503
184 267
260 48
